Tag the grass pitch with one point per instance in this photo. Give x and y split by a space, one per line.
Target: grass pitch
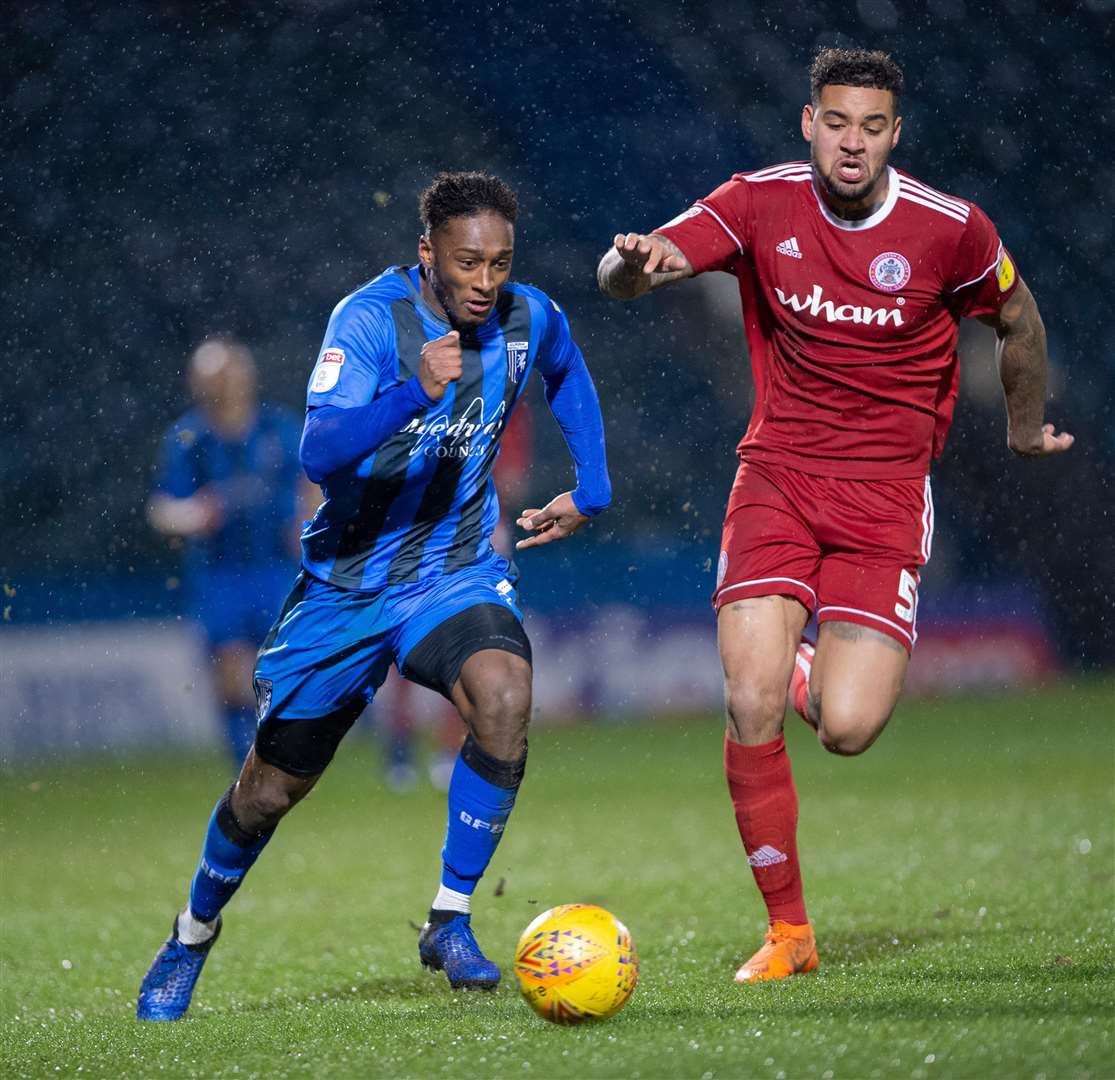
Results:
961 876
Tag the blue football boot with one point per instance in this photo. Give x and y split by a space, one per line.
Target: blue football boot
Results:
168 985
450 946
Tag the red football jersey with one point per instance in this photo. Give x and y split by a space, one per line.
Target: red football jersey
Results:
852 325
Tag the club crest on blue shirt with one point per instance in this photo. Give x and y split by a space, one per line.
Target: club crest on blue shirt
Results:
517 359
263 699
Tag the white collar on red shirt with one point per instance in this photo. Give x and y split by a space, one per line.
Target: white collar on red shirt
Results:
893 185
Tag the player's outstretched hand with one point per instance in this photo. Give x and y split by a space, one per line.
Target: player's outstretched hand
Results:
440 364
556 520
648 253
1047 442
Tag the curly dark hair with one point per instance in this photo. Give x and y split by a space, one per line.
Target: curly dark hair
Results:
856 67
462 194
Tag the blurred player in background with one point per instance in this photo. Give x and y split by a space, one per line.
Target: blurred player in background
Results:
401 720
231 487
416 377
853 277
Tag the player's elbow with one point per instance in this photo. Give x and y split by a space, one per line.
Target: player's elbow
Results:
313 451
312 465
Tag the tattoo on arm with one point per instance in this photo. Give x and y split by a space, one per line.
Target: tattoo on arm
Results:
657 279
1022 368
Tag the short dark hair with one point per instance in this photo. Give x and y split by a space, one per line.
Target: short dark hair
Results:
856 67
462 194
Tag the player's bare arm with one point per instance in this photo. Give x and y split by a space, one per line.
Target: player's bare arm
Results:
637 263
1023 367
556 520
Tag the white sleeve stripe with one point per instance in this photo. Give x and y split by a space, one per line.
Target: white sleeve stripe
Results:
962 218
980 277
937 200
789 177
735 239
769 169
933 193
775 172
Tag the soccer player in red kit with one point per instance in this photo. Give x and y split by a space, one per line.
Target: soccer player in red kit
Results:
853 277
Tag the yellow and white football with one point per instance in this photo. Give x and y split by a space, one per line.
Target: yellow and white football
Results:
576 962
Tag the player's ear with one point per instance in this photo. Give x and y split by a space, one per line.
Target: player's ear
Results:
807 122
897 131
425 250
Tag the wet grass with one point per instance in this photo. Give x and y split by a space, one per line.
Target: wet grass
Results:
961 877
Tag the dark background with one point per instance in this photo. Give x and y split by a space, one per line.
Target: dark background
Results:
176 169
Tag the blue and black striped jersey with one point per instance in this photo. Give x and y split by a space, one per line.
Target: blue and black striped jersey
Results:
423 502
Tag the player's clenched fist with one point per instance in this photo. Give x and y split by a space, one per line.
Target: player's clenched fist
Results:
440 364
651 254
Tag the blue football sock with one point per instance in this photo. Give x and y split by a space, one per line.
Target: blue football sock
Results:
481 797
240 731
227 856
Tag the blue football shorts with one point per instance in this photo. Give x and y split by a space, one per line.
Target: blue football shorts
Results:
331 648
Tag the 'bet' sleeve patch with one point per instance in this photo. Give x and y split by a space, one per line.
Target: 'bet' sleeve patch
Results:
328 370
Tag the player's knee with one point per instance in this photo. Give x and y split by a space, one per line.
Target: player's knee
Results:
754 709
847 732
263 805
500 720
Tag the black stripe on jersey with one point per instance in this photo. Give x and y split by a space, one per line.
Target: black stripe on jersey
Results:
389 470
514 321
437 498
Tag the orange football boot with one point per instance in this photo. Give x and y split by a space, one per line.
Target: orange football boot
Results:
787 950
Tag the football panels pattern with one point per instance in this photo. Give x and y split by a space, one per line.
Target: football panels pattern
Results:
576 962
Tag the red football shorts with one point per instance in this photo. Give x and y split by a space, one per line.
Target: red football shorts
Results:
847 550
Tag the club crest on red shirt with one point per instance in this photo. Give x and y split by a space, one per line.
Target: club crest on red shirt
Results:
889 271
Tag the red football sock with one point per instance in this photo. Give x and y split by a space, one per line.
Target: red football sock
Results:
761 784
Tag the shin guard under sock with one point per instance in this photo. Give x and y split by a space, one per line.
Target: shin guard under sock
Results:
227 855
481 796
766 804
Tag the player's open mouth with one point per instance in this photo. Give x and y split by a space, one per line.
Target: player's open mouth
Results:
478 307
850 171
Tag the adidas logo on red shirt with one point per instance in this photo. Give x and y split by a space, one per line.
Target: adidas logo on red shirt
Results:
789 247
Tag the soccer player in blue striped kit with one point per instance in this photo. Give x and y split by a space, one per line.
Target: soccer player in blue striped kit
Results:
416 377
